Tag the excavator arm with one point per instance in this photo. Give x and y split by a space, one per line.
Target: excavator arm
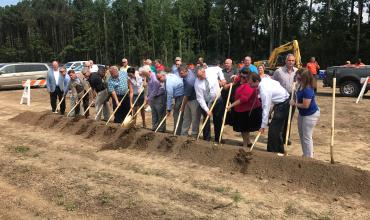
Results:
291 47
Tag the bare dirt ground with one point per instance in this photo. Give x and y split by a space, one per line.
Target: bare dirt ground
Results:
52 167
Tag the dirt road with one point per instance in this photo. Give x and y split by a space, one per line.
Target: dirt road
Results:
52 167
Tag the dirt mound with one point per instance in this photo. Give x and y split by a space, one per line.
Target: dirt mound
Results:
295 172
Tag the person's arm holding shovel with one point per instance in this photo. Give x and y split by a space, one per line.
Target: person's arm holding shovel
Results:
169 91
266 105
114 97
185 101
131 89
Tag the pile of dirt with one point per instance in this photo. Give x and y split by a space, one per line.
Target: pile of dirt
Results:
296 172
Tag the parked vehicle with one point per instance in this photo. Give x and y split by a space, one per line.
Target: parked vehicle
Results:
12 74
79 68
73 65
349 79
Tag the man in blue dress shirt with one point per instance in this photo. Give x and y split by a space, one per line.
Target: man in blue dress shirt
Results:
175 90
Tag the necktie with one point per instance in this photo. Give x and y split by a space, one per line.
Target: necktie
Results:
207 95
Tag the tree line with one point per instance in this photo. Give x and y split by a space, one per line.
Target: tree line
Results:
107 30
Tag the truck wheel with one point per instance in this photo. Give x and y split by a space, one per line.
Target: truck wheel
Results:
349 89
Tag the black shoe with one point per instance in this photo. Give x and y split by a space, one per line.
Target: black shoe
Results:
289 142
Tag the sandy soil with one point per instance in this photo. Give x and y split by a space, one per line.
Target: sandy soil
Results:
52 167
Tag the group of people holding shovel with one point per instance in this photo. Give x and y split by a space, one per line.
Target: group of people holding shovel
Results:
246 99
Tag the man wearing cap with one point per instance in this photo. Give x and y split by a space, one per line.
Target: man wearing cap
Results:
124 65
175 67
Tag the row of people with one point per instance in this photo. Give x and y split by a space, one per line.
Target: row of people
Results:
194 92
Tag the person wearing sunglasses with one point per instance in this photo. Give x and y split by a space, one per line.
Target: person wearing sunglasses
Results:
247 112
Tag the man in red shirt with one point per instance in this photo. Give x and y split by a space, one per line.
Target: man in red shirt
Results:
313 67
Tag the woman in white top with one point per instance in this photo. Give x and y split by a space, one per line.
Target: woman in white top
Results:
137 82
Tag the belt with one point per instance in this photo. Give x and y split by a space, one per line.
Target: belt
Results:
211 102
281 103
156 96
100 88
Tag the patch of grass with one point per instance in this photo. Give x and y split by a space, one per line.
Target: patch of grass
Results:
83 187
60 195
106 175
222 189
21 149
131 204
105 198
236 196
70 206
290 210
23 169
60 198
147 172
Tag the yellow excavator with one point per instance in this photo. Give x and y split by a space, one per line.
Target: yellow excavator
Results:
277 57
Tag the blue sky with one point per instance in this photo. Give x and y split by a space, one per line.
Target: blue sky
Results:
8 2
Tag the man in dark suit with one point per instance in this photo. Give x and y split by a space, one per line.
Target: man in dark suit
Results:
55 86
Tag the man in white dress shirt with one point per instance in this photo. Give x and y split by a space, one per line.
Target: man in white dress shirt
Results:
206 88
271 92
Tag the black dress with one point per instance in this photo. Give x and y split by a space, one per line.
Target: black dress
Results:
230 115
247 121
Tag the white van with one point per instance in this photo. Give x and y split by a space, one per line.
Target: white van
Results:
12 74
